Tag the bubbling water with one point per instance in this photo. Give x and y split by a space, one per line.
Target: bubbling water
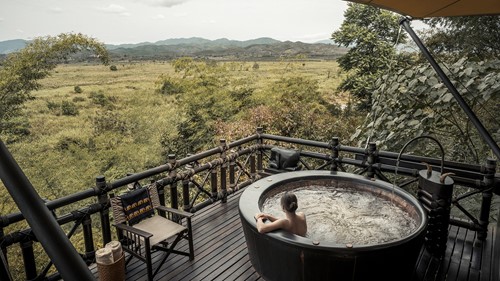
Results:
347 216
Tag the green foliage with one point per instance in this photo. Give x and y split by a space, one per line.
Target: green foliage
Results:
21 71
65 108
109 121
69 108
414 102
210 95
473 37
101 99
78 99
371 35
169 86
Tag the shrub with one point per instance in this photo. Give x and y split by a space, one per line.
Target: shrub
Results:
69 108
168 86
101 99
78 99
53 106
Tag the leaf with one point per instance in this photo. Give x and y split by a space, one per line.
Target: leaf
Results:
391 134
413 123
417 113
447 97
432 81
470 82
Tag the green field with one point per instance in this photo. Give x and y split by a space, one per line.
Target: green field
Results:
116 124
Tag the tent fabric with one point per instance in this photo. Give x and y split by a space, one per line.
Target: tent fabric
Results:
436 8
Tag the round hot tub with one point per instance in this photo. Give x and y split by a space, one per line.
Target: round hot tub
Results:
280 255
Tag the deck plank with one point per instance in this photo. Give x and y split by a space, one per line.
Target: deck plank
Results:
221 253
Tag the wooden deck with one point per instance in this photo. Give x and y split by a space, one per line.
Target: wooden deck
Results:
221 254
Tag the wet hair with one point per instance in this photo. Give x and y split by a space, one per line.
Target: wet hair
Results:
289 202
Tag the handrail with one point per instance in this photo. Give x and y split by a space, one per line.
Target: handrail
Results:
217 173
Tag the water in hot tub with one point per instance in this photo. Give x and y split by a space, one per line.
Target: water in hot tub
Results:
347 216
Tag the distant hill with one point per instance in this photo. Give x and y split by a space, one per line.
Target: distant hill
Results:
197 41
260 48
10 46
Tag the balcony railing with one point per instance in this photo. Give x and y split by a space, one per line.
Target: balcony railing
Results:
198 180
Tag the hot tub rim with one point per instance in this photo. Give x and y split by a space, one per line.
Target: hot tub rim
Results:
248 207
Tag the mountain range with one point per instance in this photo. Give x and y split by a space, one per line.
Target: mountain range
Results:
260 48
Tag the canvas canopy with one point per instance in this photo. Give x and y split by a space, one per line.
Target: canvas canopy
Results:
437 8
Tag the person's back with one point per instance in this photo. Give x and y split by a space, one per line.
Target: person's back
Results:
297 223
294 222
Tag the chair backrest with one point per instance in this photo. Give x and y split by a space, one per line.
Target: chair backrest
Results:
135 205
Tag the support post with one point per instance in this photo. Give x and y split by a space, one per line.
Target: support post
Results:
260 156
185 195
335 154
174 202
484 213
371 159
213 183
223 169
28 259
102 198
45 227
88 238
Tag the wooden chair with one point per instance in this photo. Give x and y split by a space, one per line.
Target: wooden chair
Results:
142 231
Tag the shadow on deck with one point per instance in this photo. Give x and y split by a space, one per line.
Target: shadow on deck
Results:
221 253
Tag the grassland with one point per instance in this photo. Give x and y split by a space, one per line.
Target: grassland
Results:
120 120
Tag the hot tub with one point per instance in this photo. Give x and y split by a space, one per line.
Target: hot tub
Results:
280 255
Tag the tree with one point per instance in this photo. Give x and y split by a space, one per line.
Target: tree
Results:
21 71
473 37
371 35
413 102
207 94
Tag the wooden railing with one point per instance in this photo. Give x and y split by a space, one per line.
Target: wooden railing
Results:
199 180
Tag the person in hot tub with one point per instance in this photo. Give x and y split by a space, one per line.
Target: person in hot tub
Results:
293 222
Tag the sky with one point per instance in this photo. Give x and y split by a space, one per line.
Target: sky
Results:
135 21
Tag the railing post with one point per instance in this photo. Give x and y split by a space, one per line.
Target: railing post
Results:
223 169
185 187
232 172
484 214
335 154
88 238
102 198
253 173
174 202
213 183
371 159
185 195
28 259
260 167
4 265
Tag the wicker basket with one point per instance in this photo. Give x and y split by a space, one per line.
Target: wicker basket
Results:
112 272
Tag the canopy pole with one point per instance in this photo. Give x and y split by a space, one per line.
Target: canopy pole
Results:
405 22
44 225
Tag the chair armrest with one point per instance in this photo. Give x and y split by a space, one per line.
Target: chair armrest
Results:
126 228
175 211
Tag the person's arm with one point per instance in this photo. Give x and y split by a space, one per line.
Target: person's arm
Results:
266 216
272 225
